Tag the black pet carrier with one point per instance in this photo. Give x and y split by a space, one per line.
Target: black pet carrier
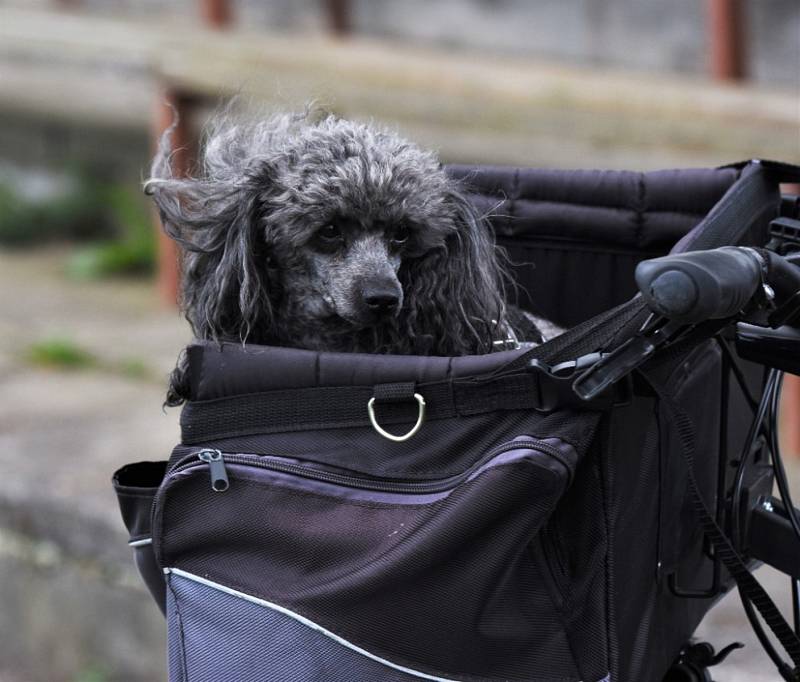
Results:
374 518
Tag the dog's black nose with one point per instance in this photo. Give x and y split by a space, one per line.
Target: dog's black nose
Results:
381 299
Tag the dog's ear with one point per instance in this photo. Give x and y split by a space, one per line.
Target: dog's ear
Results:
455 293
225 290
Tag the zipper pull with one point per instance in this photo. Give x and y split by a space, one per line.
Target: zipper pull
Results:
216 465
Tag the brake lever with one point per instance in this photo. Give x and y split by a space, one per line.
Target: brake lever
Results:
655 334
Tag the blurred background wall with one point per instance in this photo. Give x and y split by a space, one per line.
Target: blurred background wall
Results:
638 34
88 329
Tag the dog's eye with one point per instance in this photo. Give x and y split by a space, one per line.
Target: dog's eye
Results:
330 233
400 235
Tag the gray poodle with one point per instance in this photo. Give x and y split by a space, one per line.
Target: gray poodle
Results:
325 234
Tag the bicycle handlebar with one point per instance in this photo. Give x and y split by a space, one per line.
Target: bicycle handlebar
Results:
701 285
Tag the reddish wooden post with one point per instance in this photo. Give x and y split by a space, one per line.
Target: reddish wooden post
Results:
790 396
172 109
174 106
216 13
725 30
790 415
339 17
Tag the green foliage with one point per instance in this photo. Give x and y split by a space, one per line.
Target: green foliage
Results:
79 213
113 217
93 673
134 368
60 353
134 251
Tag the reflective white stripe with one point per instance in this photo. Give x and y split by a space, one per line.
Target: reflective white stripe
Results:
140 543
305 621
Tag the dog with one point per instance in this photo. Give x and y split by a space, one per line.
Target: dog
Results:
312 231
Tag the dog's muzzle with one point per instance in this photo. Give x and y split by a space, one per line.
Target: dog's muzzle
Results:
381 298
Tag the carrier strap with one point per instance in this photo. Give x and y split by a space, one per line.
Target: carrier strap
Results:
326 407
745 580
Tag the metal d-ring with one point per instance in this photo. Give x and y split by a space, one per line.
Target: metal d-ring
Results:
397 439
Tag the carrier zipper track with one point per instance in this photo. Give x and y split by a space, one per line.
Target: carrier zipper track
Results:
219 477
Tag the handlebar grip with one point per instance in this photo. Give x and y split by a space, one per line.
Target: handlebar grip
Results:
700 285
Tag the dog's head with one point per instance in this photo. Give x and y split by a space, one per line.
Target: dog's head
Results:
331 235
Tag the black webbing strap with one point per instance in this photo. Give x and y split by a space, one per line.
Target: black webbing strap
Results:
779 170
748 204
745 580
584 338
346 406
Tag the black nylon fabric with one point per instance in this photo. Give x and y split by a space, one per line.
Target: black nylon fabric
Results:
587 230
741 216
747 583
330 407
228 638
643 471
458 587
567 579
448 447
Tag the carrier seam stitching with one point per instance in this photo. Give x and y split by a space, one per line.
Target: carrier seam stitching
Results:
610 207
564 440
611 634
560 244
184 663
389 505
512 206
136 495
565 605
611 625
639 209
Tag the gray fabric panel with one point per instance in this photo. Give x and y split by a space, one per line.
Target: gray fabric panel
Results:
228 638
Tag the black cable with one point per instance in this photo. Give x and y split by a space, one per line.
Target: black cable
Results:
763 408
796 604
783 490
747 450
777 460
737 372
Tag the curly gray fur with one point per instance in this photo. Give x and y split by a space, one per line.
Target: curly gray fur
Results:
295 226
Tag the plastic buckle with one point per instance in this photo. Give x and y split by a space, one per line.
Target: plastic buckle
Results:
784 233
556 387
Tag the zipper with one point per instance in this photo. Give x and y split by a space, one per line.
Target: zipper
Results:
216 461
216 466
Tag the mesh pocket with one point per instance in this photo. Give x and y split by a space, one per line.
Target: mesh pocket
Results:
378 581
